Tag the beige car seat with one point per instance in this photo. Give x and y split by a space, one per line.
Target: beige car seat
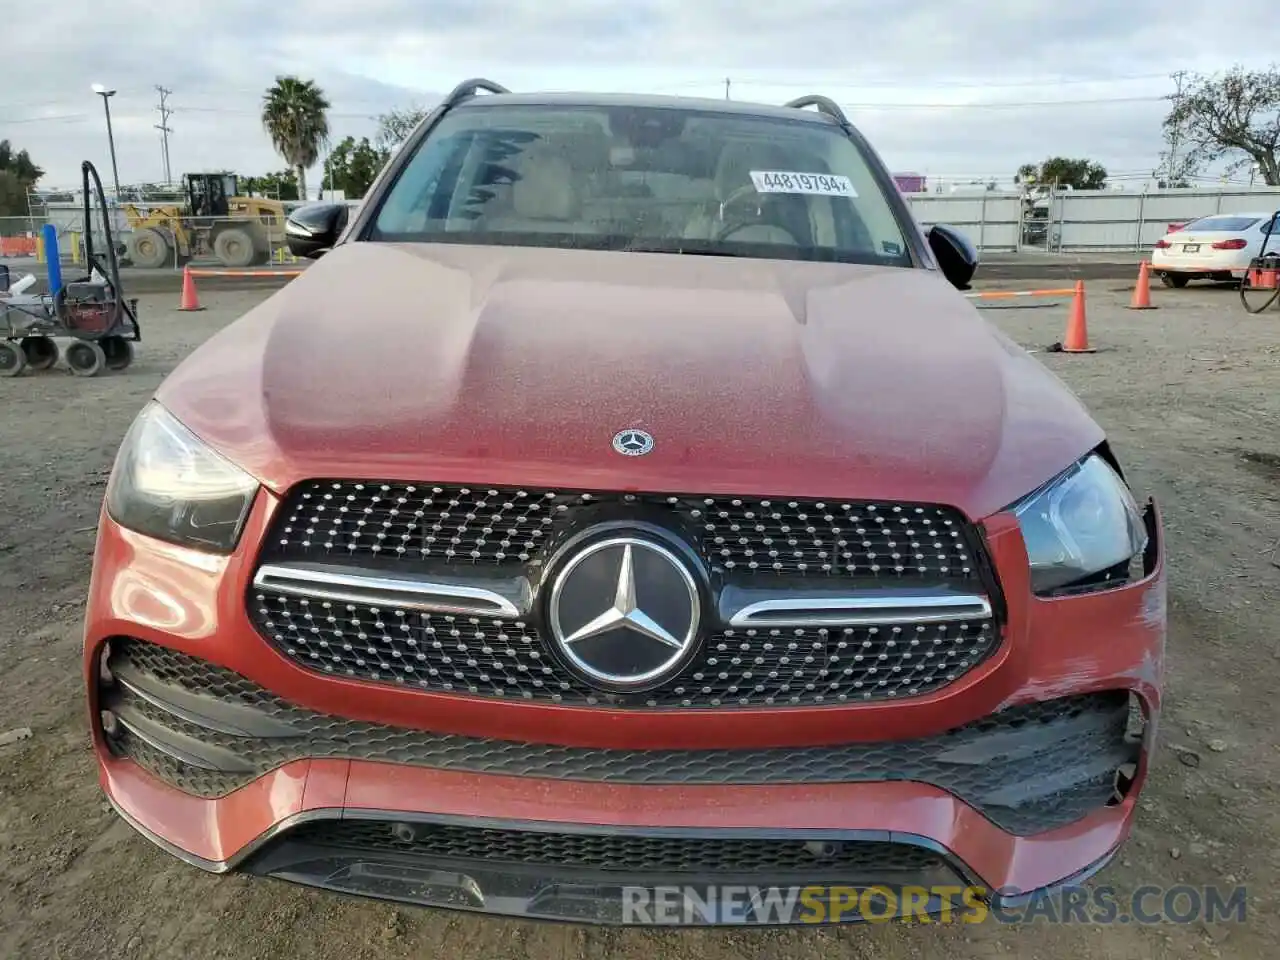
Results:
545 197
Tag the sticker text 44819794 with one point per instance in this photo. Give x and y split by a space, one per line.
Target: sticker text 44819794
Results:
790 181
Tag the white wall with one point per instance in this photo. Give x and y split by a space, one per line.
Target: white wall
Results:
1083 220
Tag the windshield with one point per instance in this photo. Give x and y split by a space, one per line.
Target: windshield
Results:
636 178
1224 224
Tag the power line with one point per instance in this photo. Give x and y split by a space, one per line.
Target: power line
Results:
1000 104
928 84
58 118
239 111
165 129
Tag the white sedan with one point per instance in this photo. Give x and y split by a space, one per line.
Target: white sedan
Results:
1214 248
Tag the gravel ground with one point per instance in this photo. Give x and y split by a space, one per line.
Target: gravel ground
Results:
1190 394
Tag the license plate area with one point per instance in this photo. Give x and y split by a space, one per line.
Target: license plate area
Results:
1191 248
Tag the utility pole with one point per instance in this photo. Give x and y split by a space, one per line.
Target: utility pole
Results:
1178 77
726 88
165 130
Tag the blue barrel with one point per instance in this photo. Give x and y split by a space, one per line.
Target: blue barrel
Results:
51 257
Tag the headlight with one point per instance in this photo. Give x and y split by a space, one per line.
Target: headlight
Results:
1081 527
167 484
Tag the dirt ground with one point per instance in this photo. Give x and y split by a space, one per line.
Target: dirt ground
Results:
1190 394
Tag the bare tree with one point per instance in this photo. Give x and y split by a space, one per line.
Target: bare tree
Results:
394 126
1234 115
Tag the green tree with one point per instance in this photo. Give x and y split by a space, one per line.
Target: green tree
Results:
18 174
1235 116
352 167
282 185
19 164
13 196
394 126
295 116
1064 172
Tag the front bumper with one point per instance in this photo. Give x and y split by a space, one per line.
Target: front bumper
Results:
338 785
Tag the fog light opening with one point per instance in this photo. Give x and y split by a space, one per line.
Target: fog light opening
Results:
404 832
112 729
105 676
1123 783
1136 725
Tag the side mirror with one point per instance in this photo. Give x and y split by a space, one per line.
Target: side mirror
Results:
313 230
956 256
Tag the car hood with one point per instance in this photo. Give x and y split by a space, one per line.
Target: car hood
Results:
516 366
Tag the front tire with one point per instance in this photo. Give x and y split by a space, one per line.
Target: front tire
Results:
117 351
12 359
234 247
41 352
85 358
148 248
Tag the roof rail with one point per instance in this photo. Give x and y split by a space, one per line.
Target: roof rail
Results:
824 104
469 88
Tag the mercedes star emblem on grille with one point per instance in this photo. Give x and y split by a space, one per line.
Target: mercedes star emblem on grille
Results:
624 612
632 443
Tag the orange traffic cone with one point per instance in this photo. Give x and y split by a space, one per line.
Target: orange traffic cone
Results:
1077 338
1142 289
189 299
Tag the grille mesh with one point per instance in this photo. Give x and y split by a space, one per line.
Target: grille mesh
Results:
1027 745
616 852
347 520
747 667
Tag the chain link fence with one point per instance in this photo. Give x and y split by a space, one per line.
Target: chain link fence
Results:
156 238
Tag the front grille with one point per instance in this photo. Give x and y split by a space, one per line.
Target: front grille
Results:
1028 768
393 526
748 667
401 523
620 852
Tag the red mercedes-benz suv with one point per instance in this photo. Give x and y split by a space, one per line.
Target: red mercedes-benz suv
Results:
625 497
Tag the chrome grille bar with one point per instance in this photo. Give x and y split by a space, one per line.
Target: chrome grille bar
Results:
508 598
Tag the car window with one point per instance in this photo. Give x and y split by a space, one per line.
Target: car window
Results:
638 178
1222 224
1272 225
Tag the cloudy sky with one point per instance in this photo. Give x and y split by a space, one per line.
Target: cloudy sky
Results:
946 88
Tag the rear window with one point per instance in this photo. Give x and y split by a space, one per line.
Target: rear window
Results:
1225 224
643 179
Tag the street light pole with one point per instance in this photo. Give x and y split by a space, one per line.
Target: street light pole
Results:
106 96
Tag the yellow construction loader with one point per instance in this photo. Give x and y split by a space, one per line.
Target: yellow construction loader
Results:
215 221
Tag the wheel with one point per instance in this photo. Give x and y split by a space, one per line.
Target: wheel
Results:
1174 280
85 358
41 352
117 351
234 247
12 360
148 248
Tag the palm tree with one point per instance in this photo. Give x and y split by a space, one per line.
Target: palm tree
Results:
293 113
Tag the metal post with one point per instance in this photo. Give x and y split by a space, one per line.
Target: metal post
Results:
982 221
106 96
1142 204
165 130
1022 222
1062 216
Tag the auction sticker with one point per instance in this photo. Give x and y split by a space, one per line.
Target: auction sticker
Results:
790 181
